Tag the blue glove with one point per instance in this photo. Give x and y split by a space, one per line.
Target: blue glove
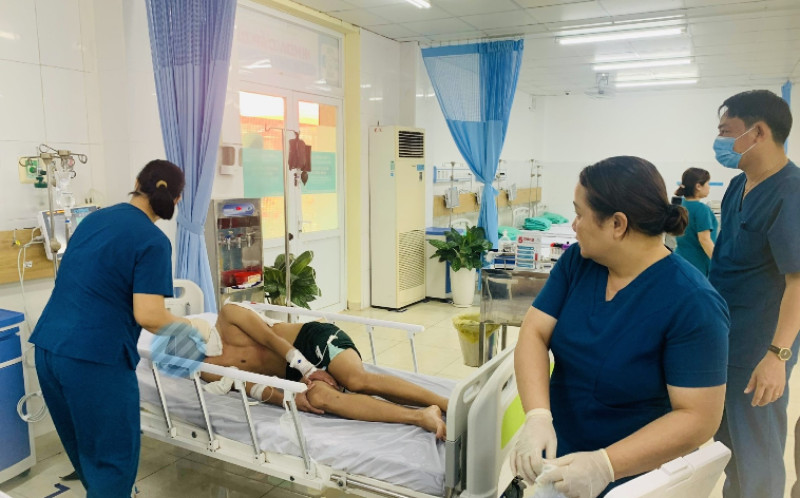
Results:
178 350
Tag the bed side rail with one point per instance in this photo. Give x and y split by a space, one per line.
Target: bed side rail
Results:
290 389
369 324
494 420
187 299
460 406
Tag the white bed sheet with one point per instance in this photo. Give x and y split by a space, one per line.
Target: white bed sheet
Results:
399 454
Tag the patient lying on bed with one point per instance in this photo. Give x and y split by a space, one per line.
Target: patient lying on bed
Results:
322 356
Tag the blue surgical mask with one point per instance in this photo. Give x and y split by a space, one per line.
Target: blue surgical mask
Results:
723 149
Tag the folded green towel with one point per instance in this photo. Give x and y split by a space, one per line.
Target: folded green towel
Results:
537 223
512 232
555 217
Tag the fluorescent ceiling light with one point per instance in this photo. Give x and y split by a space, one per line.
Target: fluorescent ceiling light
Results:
607 27
636 84
366 85
375 99
601 59
633 34
642 64
422 4
665 75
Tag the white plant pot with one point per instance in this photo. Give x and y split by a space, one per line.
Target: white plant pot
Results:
462 283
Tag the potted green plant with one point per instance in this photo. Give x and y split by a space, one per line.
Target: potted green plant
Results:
303 280
464 254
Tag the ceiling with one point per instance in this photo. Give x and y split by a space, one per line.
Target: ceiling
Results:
750 43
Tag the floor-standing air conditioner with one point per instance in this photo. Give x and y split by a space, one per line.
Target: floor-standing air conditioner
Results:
397 215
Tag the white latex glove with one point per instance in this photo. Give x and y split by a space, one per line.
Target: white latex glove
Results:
580 475
537 436
201 326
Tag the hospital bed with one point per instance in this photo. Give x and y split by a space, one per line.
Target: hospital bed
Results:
367 458
324 452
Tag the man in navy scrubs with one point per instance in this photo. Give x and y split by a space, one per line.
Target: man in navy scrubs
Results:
756 268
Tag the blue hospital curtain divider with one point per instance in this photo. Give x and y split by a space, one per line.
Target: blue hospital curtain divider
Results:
190 41
475 85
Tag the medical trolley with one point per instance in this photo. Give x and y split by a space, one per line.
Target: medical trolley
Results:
17 454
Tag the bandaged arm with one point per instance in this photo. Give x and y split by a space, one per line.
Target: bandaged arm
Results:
259 392
264 393
296 360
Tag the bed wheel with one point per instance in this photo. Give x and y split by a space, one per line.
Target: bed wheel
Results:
515 490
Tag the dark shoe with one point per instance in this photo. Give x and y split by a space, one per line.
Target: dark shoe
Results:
71 477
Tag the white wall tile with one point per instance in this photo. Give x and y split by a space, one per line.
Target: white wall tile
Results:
59 24
144 124
64 98
137 37
21 102
97 164
109 29
88 38
18 40
118 176
94 114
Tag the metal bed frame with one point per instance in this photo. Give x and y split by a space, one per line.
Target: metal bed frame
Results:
483 419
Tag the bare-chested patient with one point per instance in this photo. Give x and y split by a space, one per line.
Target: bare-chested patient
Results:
327 360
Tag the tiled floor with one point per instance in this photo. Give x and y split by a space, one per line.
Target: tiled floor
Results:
169 472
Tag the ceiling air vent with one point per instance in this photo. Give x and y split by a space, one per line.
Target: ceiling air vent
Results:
411 143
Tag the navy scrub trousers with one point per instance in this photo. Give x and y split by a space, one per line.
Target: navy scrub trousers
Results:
95 409
749 430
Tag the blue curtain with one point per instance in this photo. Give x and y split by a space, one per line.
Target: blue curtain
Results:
475 86
786 93
191 47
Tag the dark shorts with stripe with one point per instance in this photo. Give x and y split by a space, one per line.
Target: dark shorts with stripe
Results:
312 341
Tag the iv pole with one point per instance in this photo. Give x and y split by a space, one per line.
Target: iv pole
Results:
286 234
48 155
55 245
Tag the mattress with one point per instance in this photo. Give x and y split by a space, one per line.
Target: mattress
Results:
400 454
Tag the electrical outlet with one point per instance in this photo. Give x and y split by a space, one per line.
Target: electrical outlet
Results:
28 264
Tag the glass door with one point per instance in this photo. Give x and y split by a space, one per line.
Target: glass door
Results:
273 122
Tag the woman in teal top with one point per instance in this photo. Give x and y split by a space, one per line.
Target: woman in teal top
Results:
697 243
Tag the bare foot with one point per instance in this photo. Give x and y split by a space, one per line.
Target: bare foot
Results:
431 420
442 403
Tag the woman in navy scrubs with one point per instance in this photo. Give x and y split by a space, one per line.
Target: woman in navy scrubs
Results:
697 242
638 335
113 278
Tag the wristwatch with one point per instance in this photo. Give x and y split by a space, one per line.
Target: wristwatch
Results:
784 354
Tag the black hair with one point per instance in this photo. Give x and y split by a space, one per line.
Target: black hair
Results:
761 105
634 187
691 178
162 182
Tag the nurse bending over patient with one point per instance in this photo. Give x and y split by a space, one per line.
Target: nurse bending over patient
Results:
639 339
321 355
112 281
